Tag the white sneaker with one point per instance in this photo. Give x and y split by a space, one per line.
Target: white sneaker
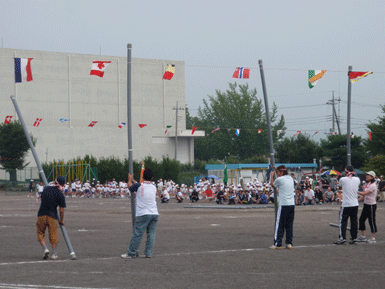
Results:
361 239
54 256
46 254
372 240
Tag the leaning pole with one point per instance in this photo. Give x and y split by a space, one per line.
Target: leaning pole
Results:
272 158
42 175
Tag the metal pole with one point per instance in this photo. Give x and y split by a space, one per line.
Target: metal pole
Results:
176 131
333 127
349 154
129 129
41 172
272 158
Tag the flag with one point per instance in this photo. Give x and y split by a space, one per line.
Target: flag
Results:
98 67
194 128
141 173
314 76
335 133
23 71
242 72
315 133
64 119
170 71
122 124
142 125
259 131
225 174
215 130
167 127
279 132
296 133
92 123
237 131
8 119
370 135
357 75
352 135
37 122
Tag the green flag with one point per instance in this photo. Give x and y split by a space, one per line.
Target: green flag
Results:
225 175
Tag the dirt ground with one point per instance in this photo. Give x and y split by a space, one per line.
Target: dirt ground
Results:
196 247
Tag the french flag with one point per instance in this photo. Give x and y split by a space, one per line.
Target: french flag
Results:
23 71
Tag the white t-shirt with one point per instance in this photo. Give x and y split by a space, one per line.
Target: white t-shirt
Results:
349 191
146 200
309 194
285 184
370 199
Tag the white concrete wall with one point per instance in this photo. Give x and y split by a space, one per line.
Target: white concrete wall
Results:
62 87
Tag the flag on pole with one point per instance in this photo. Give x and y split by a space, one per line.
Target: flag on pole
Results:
297 133
314 76
141 173
194 128
167 127
92 123
242 72
98 67
37 122
237 131
122 125
335 133
352 135
260 130
370 135
225 174
214 130
64 119
142 125
357 75
23 71
8 119
170 71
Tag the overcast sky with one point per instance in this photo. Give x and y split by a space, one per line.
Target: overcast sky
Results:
214 37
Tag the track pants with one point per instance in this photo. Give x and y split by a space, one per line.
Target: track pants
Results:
285 220
345 214
368 212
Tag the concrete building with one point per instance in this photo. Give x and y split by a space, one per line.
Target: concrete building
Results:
62 87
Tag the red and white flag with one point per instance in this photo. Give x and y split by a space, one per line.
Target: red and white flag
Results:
92 123
298 131
98 67
214 130
259 131
122 124
37 122
8 119
142 125
194 128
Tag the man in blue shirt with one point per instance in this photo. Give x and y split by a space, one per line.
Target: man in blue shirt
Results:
51 198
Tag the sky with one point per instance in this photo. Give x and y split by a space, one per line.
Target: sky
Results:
214 37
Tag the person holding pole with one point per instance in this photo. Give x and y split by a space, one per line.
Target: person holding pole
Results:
146 217
349 207
51 198
285 214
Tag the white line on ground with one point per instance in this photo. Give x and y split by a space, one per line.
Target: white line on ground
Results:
19 286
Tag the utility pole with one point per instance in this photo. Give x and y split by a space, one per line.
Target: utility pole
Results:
335 118
176 128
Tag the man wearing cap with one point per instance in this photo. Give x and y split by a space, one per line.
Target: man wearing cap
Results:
51 198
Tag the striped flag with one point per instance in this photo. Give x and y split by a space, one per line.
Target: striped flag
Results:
8 119
237 131
214 130
122 125
242 72
170 71
314 76
23 71
92 123
37 122
98 67
298 131
141 173
167 127
64 119
357 75
260 130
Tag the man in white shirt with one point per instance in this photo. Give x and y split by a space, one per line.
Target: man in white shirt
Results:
309 197
349 207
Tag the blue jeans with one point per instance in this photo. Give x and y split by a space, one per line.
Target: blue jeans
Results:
143 223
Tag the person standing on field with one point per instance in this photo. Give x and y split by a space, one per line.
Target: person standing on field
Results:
51 198
146 215
349 207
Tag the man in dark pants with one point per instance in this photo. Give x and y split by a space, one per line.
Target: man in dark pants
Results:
51 198
349 207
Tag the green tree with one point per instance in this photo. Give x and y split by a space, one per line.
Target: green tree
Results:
299 149
13 148
377 144
376 164
335 150
237 107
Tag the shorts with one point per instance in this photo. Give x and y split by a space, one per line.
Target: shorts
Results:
41 225
74 190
